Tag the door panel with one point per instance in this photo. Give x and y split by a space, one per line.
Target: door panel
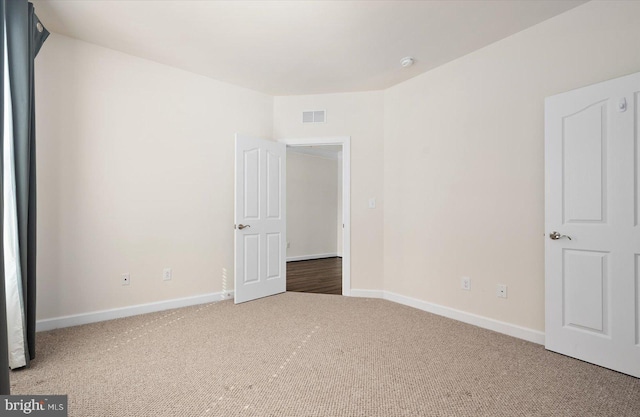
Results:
260 209
251 185
591 196
274 243
251 258
636 139
584 167
637 295
274 174
585 290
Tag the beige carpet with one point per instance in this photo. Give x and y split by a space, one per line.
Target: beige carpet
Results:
314 355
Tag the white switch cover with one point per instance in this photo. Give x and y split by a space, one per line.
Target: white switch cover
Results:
166 274
372 203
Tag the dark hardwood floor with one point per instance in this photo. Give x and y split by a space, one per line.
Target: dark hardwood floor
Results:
323 276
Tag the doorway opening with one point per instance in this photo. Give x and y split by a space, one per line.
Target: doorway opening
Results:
318 221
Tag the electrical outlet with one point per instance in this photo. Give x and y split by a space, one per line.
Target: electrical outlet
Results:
288 245
166 274
466 283
126 278
502 291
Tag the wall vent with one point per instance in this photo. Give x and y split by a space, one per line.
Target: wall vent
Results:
314 116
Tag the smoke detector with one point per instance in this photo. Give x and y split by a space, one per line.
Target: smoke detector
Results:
407 61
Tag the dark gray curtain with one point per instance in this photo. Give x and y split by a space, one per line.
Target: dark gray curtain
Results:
5 388
24 37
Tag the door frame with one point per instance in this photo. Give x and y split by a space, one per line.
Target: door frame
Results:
345 141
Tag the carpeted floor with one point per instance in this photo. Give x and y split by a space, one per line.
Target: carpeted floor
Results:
300 354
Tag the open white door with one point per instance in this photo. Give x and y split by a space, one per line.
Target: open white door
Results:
592 248
260 220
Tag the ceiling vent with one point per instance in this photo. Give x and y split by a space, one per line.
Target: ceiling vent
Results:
315 116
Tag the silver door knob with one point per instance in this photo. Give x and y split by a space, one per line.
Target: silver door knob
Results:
557 235
242 226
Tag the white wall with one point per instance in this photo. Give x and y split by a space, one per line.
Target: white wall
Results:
312 205
359 115
135 174
464 166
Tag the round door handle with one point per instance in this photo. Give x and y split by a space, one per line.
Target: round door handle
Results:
557 235
242 226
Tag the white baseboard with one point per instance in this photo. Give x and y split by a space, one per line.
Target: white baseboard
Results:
367 293
116 313
310 257
520 332
514 330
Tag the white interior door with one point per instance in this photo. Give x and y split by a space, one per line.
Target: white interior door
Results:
260 220
592 187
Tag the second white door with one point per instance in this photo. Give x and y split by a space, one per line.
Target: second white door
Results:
592 249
